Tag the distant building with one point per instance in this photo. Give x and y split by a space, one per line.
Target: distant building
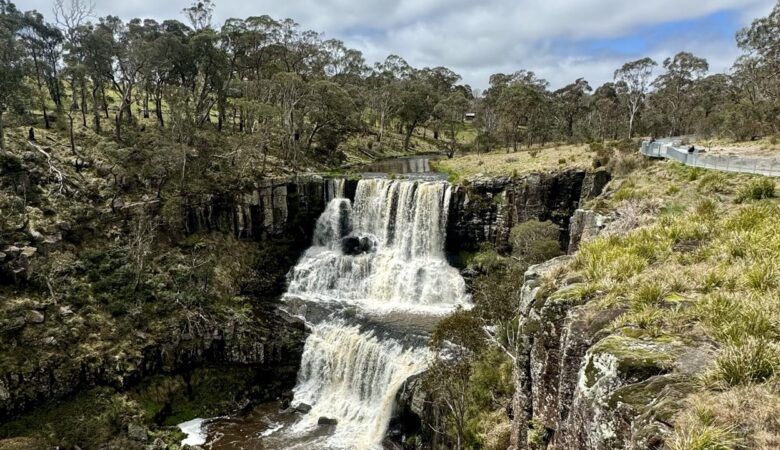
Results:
470 116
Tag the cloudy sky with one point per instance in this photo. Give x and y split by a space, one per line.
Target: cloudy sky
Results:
560 40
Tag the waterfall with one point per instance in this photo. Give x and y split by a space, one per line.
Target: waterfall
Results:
353 377
385 250
334 188
381 255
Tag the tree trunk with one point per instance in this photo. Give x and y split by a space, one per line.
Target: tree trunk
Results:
95 108
408 137
72 136
146 104
158 111
105 102
381 126
2 132
83 103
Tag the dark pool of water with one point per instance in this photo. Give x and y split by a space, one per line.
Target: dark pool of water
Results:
264 428
402 166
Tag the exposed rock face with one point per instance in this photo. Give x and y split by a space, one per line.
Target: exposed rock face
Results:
584 226
580 386
279 209
486 209
272 208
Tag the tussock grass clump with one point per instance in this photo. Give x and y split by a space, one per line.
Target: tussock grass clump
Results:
703 437
714 182
752 361
756 189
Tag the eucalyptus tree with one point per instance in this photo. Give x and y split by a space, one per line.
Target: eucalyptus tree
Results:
12 63
523 106
633 82
571 104
449 114
329 115
415 104
42 43
675 89
96 47
605 112
384 83
757 76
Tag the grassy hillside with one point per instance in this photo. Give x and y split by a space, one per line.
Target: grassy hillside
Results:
692 258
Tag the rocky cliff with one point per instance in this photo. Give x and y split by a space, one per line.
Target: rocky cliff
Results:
56 344
582 385
272 208
485 209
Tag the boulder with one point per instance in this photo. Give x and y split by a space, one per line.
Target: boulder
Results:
356 245
303 408
327 421
33 316
136 432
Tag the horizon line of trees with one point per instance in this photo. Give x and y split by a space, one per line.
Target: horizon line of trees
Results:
301 95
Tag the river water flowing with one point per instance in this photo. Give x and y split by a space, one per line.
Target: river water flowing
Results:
371 286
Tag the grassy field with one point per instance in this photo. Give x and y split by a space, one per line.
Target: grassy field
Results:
499 163
764 147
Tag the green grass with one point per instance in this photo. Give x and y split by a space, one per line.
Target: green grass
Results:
503 163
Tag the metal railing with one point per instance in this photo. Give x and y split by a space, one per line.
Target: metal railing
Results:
761 166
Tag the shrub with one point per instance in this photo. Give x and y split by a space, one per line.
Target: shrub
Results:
534 241
752 361
756 189
713 182
488 260
762 276
702 437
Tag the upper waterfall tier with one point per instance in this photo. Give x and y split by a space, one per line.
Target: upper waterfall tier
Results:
386 249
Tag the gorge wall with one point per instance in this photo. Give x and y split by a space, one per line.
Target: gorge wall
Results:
485 209
277 216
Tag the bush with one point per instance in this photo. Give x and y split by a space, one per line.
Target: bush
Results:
714 182
756 189
752 361
702 437
534 241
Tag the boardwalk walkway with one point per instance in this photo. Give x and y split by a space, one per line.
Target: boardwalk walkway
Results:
667 149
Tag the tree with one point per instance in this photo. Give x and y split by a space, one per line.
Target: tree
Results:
415 105
674 89
12 65
605 112
571 103
449 114
757 77
199 14
522 108
456 341
384 84
42 43
633 81
328 113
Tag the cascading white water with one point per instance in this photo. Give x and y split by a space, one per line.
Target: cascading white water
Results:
353 376
384 253
399 228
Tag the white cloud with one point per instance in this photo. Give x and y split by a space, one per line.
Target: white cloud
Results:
479 37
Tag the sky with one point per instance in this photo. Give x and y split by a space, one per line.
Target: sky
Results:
560 40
